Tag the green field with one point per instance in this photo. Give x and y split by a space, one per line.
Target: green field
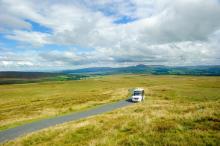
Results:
22 103
178 110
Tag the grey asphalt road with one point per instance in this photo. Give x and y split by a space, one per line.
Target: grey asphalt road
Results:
13 133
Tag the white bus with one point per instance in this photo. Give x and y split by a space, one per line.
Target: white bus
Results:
137 95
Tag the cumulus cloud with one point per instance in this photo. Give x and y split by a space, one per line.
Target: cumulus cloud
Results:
183 21
34 38
122 32
9 22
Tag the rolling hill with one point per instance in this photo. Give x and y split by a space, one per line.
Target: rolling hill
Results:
151 69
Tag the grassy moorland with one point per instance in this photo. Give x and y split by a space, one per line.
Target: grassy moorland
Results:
11 77
22 103
178 110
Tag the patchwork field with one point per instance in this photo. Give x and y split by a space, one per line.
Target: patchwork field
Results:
178 110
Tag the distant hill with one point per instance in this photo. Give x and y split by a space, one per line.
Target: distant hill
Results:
151 69
12 76
91 70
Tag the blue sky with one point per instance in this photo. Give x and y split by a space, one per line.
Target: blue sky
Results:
54 35
38 27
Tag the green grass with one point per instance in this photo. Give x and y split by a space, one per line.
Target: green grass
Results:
18 78
178 110
21 103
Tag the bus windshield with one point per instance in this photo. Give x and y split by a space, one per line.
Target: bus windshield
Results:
137 93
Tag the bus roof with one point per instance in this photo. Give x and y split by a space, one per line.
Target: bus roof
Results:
138 89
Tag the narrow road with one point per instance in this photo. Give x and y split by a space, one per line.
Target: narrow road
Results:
13 133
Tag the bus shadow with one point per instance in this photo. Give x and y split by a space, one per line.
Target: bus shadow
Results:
129 100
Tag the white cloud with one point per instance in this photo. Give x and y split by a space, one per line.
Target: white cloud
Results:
8 22
180 32
183 21
34 38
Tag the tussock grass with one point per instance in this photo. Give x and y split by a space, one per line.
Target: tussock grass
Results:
23 103
178 110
